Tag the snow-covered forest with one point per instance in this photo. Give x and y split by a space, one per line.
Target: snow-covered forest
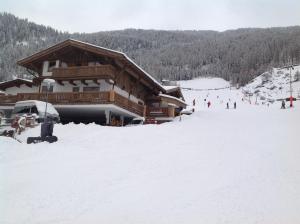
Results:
235 55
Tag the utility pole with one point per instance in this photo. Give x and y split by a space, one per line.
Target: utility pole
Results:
290 67
291 89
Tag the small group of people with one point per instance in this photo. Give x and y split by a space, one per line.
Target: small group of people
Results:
208 103
234 105
283 103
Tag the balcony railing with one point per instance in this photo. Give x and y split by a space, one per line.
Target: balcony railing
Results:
75 98
127 104
157 112
107 71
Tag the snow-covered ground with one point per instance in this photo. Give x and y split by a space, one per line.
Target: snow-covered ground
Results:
215 166
275 84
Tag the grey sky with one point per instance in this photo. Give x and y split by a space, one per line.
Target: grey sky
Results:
97 15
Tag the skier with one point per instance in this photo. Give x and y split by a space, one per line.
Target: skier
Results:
282 104
208 104
234 105
227 105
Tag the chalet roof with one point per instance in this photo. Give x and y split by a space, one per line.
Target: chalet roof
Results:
16 82
174 89
173 98
28 61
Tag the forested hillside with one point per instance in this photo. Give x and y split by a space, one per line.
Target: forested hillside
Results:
236 55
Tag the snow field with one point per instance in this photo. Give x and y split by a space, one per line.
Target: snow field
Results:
215 166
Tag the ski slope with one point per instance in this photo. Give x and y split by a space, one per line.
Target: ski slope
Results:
215 166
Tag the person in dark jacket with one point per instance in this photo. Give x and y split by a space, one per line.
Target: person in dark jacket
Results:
234 105
208 104
227 105
282 104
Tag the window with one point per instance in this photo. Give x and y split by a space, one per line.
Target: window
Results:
34 110
44 89
91 89
51 65
21 110
64 65
76 89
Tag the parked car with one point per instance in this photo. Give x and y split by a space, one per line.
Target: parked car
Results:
37 108
136 121
187 112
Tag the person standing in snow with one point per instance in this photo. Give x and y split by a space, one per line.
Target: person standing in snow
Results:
208 104
282 104
227 105
234 105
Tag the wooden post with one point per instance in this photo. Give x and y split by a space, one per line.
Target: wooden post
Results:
171 111
107 117
145 110
111 96
122 120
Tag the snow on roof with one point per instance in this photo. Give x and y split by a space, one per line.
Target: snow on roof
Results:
26 80
172 104
93 45
170 87
172 97
41 105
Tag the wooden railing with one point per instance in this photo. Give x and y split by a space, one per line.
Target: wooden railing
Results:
65 98
82 71
157 112
8 99
127 104
68 97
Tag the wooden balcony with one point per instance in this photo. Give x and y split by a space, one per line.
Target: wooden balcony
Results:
78 98
99 71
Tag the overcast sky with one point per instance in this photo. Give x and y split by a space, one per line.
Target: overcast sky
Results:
98 15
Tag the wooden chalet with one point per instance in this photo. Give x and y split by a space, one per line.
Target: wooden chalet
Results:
92 84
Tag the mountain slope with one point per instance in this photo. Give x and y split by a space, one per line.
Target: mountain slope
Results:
275 84
236 55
